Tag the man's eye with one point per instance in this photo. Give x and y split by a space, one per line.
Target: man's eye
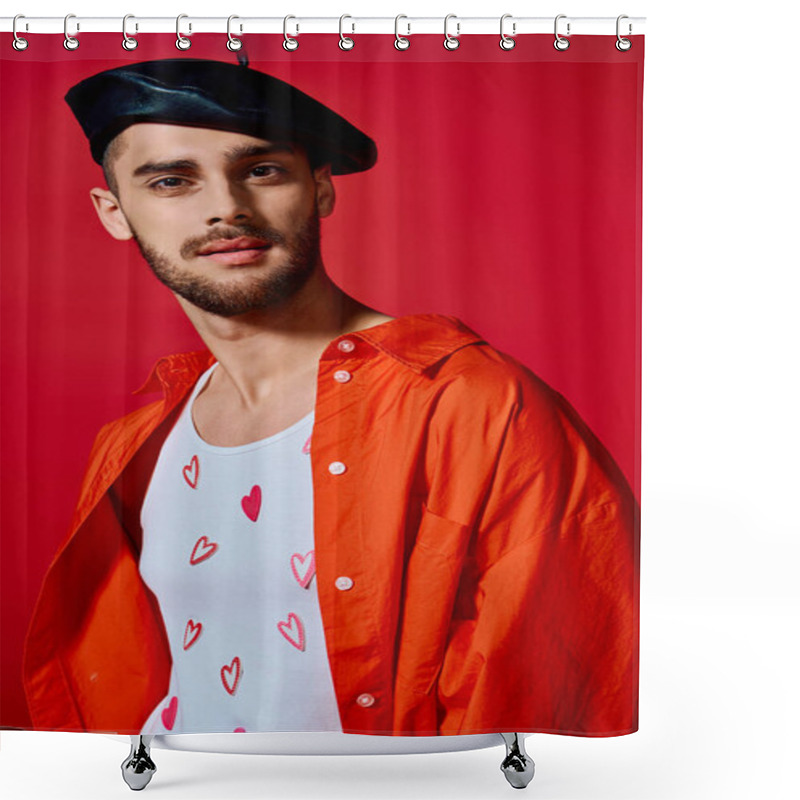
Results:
266 170
167 183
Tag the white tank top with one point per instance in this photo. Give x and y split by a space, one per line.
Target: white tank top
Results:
228 550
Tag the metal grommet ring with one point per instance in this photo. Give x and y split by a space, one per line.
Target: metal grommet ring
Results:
19 43
451 42
182 43
128 42
233 44
623 45
506 42
561 43
400 42
289 43
345 42
70 42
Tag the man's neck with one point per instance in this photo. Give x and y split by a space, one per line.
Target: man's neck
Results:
262 352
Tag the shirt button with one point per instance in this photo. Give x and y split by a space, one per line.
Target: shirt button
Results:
365 700
342 375
347 346
336 468
343 583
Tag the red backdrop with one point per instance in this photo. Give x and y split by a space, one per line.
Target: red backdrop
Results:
507 192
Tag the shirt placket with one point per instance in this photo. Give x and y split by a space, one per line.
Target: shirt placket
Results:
349 616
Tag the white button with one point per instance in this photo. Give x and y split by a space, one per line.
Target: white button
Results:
336 468
344 583
365 700
342 375
346 346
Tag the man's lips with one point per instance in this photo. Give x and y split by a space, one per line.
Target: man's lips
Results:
226 245
244 250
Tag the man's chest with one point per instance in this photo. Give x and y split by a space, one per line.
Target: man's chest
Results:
223 423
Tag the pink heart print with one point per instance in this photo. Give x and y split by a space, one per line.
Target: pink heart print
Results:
293 631
203 549
169 713
235 669
306 563
239 730
193 630
307 446
251 503
191 472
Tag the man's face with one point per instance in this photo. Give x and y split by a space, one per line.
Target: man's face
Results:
227 221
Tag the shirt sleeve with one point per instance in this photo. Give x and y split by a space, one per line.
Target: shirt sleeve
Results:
544 635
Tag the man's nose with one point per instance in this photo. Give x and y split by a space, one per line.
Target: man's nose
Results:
227 202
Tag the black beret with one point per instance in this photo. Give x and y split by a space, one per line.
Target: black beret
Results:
215 94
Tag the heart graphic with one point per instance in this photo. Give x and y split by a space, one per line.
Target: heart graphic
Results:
191 472
239 730
251 503
306 563
307 446
234 667
193 630
169 713
293 631
203 549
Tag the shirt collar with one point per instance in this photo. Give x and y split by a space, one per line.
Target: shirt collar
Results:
418 341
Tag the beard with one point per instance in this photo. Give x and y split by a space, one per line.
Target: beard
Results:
231 298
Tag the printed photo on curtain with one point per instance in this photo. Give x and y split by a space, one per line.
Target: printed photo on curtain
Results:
320 386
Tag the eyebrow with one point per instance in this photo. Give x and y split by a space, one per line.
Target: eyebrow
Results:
232 154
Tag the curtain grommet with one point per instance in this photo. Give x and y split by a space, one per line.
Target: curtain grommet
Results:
401 42
507 42
560 42
233 44
19 43
622 44
290 44
345 42
70 42
129 42
182 43
451 42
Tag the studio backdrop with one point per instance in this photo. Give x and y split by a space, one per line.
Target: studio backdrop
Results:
320 385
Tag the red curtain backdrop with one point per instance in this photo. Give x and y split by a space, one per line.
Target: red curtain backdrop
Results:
507 192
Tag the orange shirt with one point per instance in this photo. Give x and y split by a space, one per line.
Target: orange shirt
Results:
491 541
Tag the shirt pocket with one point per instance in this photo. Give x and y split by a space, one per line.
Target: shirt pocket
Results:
432 579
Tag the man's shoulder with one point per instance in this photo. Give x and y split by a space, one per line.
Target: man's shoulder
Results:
443 347
172 377
481 365
117 437
460 371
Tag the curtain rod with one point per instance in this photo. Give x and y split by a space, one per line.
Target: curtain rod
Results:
513 26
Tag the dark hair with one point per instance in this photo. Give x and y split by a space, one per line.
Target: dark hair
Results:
112 152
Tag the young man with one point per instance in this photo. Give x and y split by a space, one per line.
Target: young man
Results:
332 519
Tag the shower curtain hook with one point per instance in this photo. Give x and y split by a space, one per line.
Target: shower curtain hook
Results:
70 42
400 42
289 43
128 42
19 43
451 42
233 44
182 43
561 43
506 42
623 45
345 42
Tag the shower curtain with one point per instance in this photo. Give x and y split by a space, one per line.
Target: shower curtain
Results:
443 536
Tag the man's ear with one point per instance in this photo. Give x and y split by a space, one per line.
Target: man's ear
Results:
110 213
326 194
